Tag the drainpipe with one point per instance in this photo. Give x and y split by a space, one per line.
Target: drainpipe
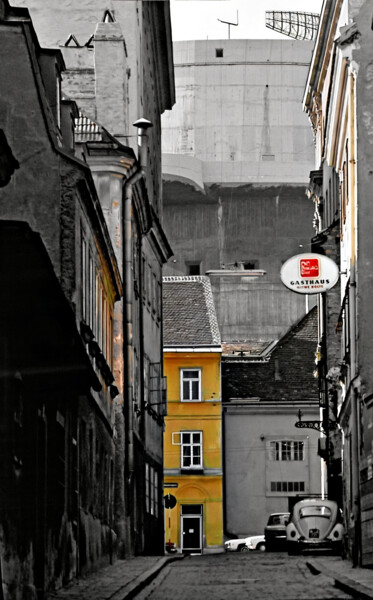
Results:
129 458
355 417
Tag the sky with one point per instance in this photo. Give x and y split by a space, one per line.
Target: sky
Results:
198 19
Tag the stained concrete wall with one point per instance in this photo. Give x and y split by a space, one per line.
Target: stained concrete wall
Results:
250 224
241 114
237 154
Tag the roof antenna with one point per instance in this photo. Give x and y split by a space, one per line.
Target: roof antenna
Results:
229 25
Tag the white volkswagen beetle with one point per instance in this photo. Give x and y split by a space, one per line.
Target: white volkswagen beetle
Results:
315 524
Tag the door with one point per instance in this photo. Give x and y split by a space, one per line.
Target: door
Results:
191 529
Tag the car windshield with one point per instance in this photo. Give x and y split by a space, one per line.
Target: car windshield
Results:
315 511
278 520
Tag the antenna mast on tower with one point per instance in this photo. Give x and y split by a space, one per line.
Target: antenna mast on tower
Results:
229 25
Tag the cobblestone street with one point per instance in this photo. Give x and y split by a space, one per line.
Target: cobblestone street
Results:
256 576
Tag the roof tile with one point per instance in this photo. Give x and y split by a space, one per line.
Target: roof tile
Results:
189 317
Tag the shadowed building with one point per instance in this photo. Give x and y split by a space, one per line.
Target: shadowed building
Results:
119 70
60 282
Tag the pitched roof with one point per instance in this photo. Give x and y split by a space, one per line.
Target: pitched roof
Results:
246 347
189 318
285 374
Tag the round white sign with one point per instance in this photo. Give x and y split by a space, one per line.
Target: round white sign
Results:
309 273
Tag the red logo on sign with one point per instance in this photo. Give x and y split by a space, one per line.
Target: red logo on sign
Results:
309 267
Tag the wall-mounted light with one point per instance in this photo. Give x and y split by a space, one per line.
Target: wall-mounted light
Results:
142 126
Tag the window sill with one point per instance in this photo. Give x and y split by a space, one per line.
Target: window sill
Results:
190 401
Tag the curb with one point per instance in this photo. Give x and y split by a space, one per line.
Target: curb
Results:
129 591
354 588
358 590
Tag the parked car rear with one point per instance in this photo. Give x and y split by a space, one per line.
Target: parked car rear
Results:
315 524
275 531
252 542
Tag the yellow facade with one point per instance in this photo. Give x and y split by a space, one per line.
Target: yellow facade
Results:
196 522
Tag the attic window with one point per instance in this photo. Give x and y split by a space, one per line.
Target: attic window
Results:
219 52
194 268
249 265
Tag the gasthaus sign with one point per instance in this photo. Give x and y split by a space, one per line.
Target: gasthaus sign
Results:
309 273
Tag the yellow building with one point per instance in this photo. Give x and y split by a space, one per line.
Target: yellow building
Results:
192 439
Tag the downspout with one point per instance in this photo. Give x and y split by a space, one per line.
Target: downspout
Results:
355 395
128 186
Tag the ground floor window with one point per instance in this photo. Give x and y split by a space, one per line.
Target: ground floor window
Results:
287 486
151 490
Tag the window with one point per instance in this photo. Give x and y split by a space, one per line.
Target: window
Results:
104 328
88 294
219 52
249 265
84 277
151 490
287 450
287 486
191 449
194 268
147 487
91 285
190 385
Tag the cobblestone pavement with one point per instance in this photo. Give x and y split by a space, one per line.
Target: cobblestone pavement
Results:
119 581
254 576
229 576
354 580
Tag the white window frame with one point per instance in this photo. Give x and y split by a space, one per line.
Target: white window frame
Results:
191 380
279 453
191 444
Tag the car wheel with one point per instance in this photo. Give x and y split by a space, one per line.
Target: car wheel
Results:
244 549
261 547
